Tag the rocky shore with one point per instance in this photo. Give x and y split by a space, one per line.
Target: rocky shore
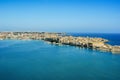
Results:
61 38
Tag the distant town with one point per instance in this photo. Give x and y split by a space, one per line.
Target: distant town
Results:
62 38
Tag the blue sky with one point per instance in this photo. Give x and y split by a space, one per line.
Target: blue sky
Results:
92 16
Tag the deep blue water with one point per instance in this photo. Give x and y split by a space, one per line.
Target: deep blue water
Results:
114 39
38 60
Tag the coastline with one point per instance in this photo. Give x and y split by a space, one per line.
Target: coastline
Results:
61 38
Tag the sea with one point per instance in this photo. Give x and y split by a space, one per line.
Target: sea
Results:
40 60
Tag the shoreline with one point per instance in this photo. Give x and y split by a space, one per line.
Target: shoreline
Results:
61 38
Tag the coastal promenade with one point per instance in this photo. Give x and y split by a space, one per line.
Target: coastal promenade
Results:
61 38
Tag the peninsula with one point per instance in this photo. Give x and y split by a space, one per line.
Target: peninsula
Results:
61 38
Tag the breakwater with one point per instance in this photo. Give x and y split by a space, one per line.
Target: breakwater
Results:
61 38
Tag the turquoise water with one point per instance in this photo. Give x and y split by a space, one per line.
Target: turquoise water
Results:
38 60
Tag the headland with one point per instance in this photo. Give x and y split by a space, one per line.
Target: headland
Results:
62 38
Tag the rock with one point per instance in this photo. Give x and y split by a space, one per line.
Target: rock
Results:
115 49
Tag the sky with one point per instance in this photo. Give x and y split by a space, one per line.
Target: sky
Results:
85 16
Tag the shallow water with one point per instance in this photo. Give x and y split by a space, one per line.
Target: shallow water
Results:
38 60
